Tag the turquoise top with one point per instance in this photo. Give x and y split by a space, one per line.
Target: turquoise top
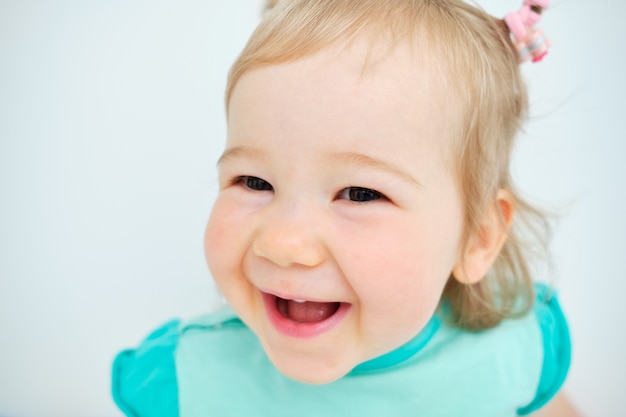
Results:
214 365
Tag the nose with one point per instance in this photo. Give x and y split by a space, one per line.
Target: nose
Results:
290 239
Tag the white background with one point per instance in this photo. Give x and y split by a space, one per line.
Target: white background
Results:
111 122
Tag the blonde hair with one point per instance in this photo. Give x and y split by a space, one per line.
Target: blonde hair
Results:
475 60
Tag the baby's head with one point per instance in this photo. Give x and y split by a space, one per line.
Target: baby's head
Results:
366 179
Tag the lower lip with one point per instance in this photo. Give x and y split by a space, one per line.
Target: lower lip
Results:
301 330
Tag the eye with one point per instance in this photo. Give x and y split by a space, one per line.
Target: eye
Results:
360 194
254 183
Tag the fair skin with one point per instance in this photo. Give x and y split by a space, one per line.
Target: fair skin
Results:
338 212
331 194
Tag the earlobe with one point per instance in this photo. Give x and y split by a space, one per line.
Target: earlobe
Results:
485 244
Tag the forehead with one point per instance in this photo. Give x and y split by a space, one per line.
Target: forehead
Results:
359 93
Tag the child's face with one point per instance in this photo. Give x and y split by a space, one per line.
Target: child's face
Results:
335 189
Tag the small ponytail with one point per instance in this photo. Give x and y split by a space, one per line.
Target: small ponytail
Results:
531 43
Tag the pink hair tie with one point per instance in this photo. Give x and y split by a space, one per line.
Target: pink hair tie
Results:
530 42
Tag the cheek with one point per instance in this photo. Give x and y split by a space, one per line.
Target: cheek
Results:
388 267
400 271
223 238
408 252
410 279
398 293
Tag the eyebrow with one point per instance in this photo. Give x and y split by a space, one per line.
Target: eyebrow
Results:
246 152
353 159
364 161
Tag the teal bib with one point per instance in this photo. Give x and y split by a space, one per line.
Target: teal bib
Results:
222 370
215 366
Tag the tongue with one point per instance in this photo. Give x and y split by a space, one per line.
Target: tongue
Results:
308 311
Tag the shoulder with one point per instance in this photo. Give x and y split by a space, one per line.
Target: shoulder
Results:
556 347
522 361
144 378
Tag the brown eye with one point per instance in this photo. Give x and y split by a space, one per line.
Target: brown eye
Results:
255 183
360 194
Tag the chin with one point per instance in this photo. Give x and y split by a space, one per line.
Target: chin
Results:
315 377
310 371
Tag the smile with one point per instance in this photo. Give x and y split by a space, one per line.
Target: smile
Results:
302 318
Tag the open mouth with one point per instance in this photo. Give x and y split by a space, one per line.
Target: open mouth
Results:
303 318
306 311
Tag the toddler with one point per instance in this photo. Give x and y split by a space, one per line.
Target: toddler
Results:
366 234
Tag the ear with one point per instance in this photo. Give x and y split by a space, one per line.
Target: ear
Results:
485 244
